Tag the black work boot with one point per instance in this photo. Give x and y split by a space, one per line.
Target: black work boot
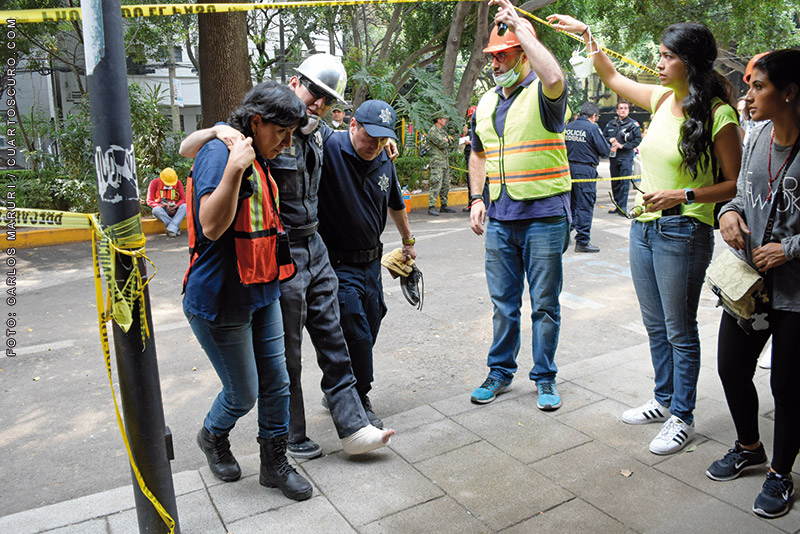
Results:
374 420
277 473
218 453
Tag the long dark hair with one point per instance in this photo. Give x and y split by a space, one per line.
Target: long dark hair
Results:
694 44
782 67
274 102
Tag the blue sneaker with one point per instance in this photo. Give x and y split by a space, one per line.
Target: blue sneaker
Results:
491 388
549 399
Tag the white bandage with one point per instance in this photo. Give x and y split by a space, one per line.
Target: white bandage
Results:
364 440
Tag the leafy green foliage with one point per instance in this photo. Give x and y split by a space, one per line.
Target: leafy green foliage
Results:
410 171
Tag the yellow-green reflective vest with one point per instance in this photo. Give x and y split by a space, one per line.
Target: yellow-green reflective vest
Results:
528 159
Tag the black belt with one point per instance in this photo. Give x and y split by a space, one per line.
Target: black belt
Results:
675 210
355 257
303 231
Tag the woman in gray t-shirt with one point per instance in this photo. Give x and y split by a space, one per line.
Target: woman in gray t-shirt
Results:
767 184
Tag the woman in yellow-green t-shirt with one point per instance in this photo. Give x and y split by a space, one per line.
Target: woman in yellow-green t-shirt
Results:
694 130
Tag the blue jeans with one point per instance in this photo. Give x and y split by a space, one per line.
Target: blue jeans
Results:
668 260
246 349
515 251
171 222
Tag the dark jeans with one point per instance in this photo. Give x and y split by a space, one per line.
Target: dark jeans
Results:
621 166
362 307
583 197
737 356
309 300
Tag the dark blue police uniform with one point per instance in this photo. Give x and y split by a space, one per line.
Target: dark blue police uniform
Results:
354 195
628 133
585 146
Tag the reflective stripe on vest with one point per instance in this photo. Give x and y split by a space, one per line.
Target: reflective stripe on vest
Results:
528 159
255 232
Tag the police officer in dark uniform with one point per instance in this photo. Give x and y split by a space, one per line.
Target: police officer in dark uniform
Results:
624 134
585 146
359 188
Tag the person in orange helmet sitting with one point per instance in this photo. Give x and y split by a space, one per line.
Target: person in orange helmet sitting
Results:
165 195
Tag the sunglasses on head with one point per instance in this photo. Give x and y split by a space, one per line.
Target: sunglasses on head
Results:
317 92
500 56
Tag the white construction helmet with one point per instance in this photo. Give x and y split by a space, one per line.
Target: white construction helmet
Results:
327 72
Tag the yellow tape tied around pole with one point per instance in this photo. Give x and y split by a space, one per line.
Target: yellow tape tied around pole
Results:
125 237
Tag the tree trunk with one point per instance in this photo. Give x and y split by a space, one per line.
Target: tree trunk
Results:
476 59
453 44
222 50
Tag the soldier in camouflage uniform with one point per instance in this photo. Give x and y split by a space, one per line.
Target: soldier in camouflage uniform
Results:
439 181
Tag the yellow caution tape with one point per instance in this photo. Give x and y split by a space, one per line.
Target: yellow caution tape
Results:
125 237
122 238
612 179
30 218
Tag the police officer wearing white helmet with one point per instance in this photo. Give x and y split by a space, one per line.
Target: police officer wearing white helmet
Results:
310 298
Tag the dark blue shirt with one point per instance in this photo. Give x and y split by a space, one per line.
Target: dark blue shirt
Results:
214 285
354 195
585 142
627 132
552 112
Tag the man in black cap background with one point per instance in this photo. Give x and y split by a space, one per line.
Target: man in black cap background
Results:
358 189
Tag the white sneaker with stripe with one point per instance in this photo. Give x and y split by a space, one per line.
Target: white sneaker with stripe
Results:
674 436
649 412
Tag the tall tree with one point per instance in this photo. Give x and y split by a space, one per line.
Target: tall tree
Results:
222 51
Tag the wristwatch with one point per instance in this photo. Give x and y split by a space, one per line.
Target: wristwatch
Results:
410 241
689 196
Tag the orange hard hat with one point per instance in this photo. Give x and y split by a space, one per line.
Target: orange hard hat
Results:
471 110
169 176
749 70
507 41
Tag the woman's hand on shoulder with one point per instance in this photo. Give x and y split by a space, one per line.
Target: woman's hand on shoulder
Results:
769 256
242 153
732 226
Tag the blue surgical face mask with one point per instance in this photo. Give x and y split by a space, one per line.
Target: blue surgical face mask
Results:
508 79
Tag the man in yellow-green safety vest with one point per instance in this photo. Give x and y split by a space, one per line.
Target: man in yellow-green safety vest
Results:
518 144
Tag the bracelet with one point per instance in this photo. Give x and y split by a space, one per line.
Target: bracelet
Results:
410 241
475 201
584 30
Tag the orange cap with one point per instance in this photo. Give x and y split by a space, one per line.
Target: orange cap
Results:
169 176
498 43
471 110
749 70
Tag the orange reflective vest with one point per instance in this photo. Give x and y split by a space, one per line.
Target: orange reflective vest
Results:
261 245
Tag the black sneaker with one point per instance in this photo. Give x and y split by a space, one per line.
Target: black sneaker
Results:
773 501
306 449
374 420
737 460
445 209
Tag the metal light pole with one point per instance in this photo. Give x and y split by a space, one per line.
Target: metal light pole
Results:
118 200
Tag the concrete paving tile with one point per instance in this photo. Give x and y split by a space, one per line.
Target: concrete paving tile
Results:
740 493
522 430
628 387
415 418
572 516
601 421
68 512
246 497
196 515
442 516
187 482
494 487
314 515
95 526
461 403
591 366
713 419
371 486
645 501
432 440
249 465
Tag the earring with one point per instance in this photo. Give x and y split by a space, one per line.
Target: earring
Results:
787 100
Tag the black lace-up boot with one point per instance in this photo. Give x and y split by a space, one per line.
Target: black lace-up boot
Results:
217 449
277 473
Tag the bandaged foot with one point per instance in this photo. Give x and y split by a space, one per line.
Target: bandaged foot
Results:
366 439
